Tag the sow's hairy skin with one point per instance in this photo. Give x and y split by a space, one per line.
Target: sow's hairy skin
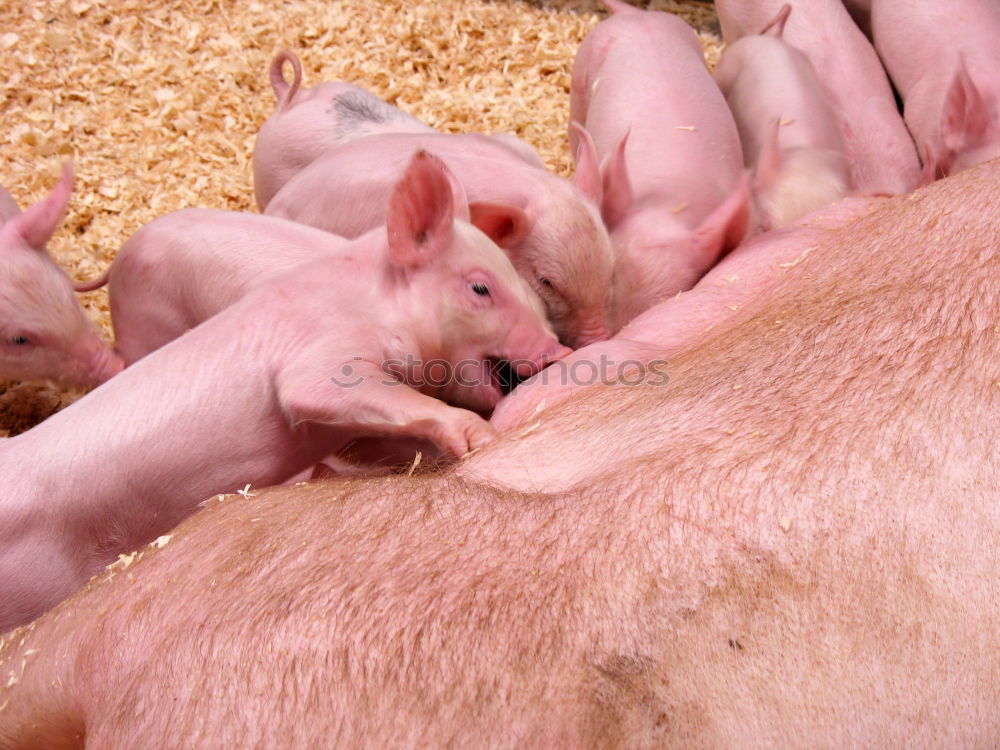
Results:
794 542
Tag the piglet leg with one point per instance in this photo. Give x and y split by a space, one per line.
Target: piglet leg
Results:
371 401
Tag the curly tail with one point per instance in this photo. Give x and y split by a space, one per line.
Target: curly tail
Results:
89 286
284 91
618 6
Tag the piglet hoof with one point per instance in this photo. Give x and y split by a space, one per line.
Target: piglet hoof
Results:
462 432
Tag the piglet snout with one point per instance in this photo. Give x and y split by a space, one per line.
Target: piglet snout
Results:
592 332
98 363
548 353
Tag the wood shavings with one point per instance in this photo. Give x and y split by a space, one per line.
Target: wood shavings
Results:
798 260
530 428
13 678
123 561
157 103
416 462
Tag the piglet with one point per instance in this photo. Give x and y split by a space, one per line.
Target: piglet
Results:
944 59
550 230
44 332
671 183
8 206
181 269
309 121
787 126
350 345
881 154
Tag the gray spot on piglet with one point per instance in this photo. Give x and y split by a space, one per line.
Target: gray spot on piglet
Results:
354 109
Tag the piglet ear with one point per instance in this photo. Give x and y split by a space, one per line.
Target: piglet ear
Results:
36 225
617 189
776 27
929 171
964 119
726 227
504 224
421 211
588 171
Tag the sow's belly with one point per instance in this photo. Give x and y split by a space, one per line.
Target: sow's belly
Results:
791 539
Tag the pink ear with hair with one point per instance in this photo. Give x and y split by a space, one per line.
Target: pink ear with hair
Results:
421 211
506 225
726 226
617 189
964 117
37 224
588 171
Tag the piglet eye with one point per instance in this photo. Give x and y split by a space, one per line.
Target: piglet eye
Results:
481 289
545 282
19 340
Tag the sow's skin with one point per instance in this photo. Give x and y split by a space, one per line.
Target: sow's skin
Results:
309 121
671 184
944 59
291 373
791 543
788 129
550 230
881 152
44 332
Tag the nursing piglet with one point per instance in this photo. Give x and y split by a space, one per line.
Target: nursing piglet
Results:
44 332
309 121
945 61
301 366
787 127
671 187
552 233
881 153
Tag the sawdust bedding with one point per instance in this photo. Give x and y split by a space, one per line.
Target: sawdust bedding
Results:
157 102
